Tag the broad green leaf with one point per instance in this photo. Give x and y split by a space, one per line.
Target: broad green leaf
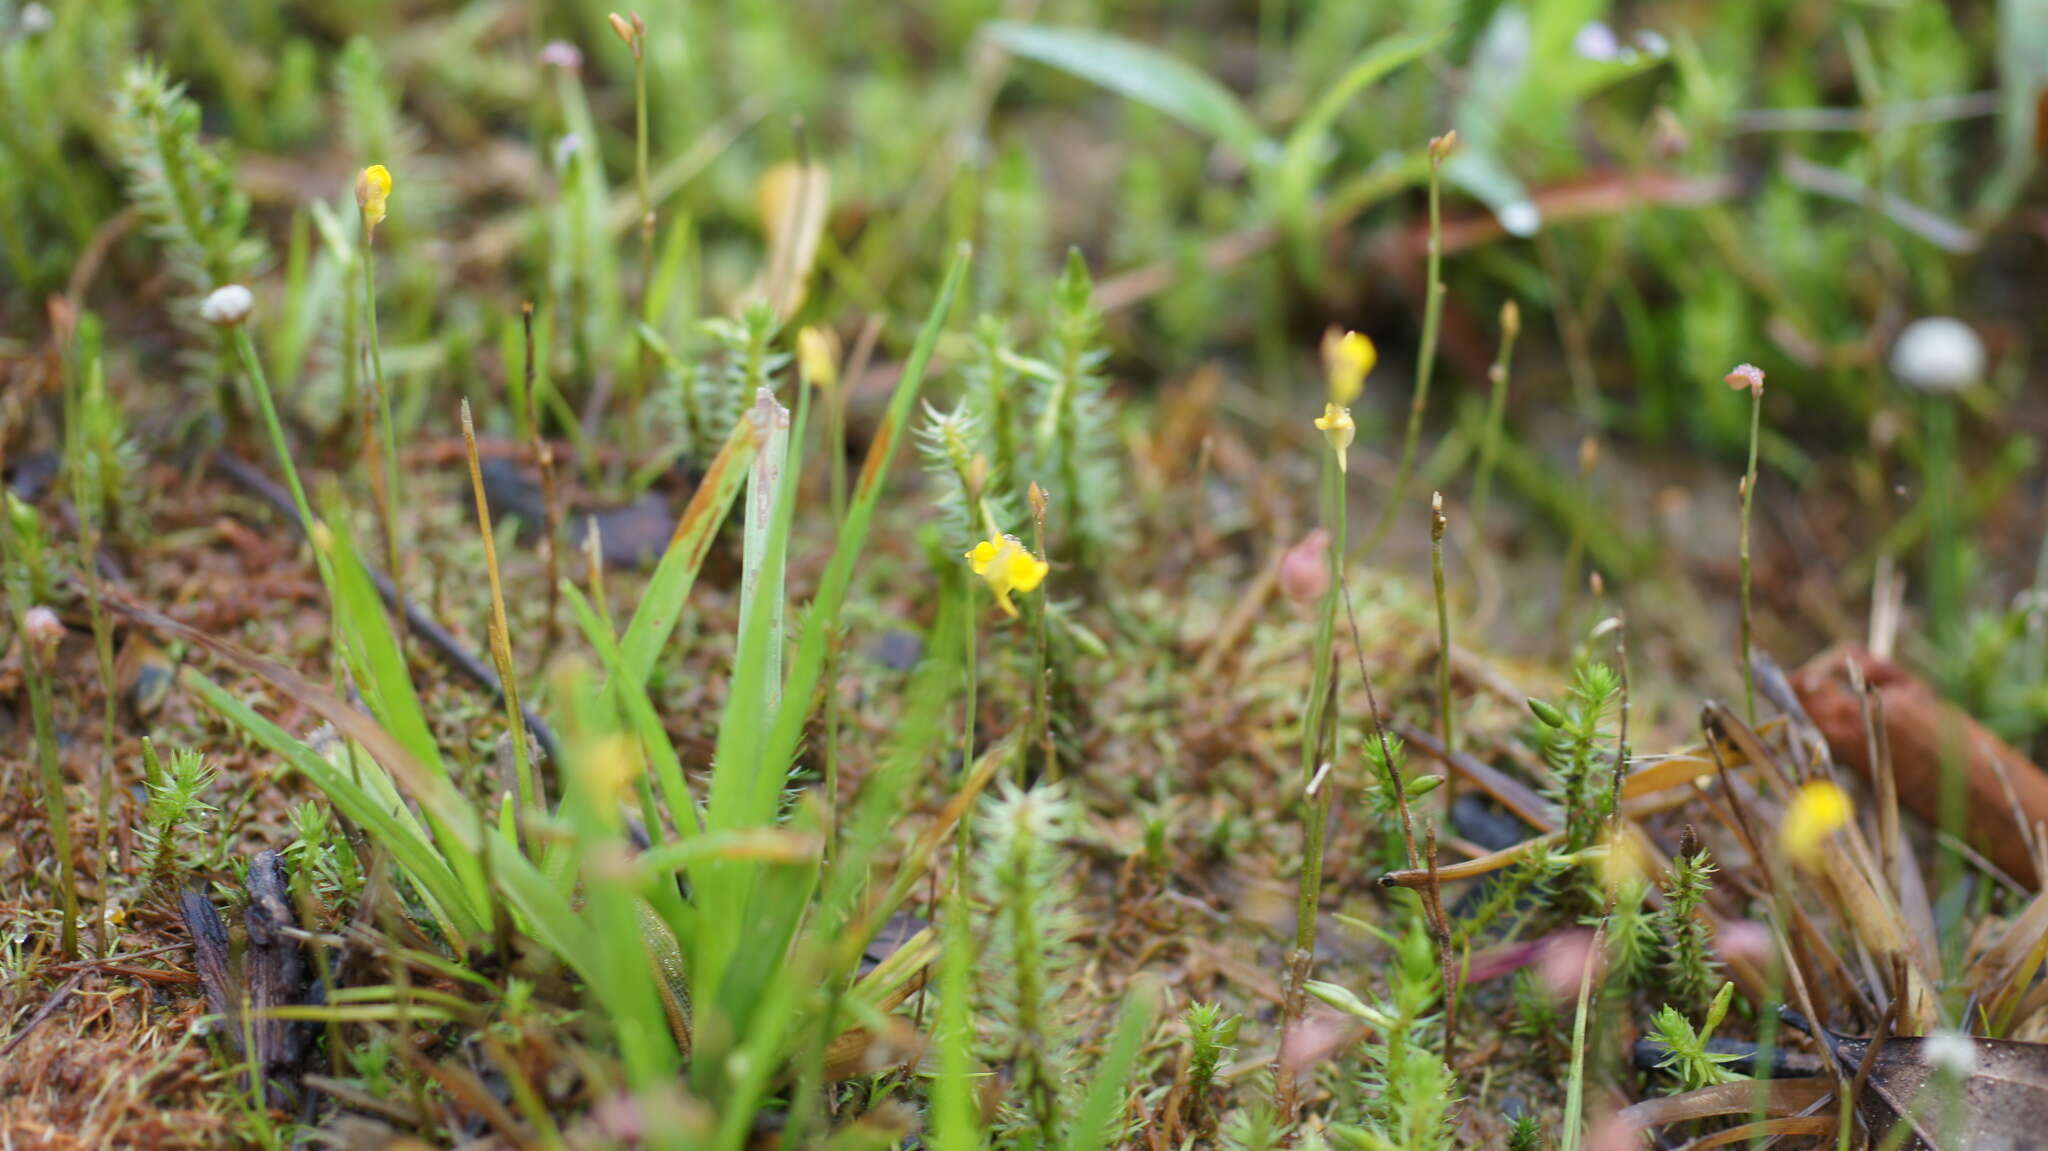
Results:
654 620
1139 72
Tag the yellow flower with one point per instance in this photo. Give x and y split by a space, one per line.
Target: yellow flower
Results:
1007 566
1335 422
373 188
817 356
1348 357
1818 811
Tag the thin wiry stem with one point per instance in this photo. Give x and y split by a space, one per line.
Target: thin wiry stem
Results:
1756 415
501 640
1496 413
384 485
1425 365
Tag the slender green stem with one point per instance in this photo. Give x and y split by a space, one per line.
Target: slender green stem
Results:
1944 540
1437 524
56 805
1041 688
1318 755
1496 413
267 407
835 438
103 654
1425 365
645 373
1756 415
386 488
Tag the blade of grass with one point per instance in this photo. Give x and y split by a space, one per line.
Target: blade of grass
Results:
654 620
1093 1127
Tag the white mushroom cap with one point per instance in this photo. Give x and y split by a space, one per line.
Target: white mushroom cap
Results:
1938 354
227 306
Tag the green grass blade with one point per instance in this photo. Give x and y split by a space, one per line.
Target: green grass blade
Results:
630 694
822 620
654 620
394 830
1138 72
954 1114
1092 1128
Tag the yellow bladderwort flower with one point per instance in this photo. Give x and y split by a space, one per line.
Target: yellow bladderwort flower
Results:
1348 357
1007 566
817 357
1335 423
373 189
1818 811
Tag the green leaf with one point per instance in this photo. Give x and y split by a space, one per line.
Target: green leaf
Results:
387 821
1302 158
654 620
1138 72
1092 1130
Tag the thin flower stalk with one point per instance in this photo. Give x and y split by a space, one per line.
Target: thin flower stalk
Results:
500 635
1440 149
373 191
1748 377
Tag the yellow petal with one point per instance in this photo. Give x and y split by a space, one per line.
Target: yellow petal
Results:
373 189
1348 357
1024 571
817 356
1818 811
983 553
1335 424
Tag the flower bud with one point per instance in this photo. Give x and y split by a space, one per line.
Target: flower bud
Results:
817 357
373 190
227 306
562 54
1348 357
1746 376
43 630
1305 569
1938 354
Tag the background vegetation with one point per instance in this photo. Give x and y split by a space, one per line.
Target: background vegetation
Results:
826 614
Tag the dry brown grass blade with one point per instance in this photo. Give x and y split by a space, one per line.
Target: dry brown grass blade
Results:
1921 731
1779 1098
1822 1125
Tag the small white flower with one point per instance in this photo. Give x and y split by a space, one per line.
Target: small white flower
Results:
566 149
1952 1051
228 306
1938 354
36 19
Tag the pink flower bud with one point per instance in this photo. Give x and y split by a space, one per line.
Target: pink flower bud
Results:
1305 569
43 630
562 54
